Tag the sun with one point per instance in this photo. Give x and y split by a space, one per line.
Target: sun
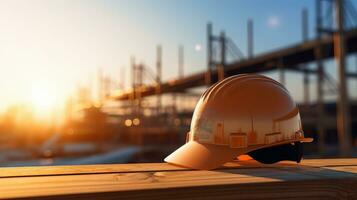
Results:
42 98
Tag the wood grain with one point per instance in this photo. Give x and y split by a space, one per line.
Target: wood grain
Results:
313 179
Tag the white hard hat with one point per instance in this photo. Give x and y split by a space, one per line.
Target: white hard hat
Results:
243 114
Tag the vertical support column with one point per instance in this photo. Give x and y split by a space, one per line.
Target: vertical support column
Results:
320 82
305 36
250 38
343 115
223 48
139 72
208 75
180 75
306 86
122 78
220 72
133 83
281 71
305 24
209 46
320 102
158 78
209 54
180 61
100 86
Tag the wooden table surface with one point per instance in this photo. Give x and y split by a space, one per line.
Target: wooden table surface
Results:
312 179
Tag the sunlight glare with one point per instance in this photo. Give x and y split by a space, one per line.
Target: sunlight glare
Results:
42 97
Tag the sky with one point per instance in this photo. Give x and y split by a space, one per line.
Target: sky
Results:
54 46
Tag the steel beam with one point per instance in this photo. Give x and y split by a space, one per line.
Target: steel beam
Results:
293 56
343 115
250 35
305 36
320 80
158 77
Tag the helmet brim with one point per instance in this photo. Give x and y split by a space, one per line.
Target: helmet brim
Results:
195 155
202 156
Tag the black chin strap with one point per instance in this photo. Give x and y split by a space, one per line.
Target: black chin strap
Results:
291 151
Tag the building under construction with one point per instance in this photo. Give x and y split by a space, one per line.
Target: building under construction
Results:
146 116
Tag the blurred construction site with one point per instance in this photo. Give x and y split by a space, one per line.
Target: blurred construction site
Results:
109 121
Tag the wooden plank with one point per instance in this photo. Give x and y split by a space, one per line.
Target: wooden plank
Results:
330 178
7 172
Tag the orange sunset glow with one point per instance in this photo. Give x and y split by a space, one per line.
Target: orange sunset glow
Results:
119 81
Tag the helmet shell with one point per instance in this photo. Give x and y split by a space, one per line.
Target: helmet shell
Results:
246 110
